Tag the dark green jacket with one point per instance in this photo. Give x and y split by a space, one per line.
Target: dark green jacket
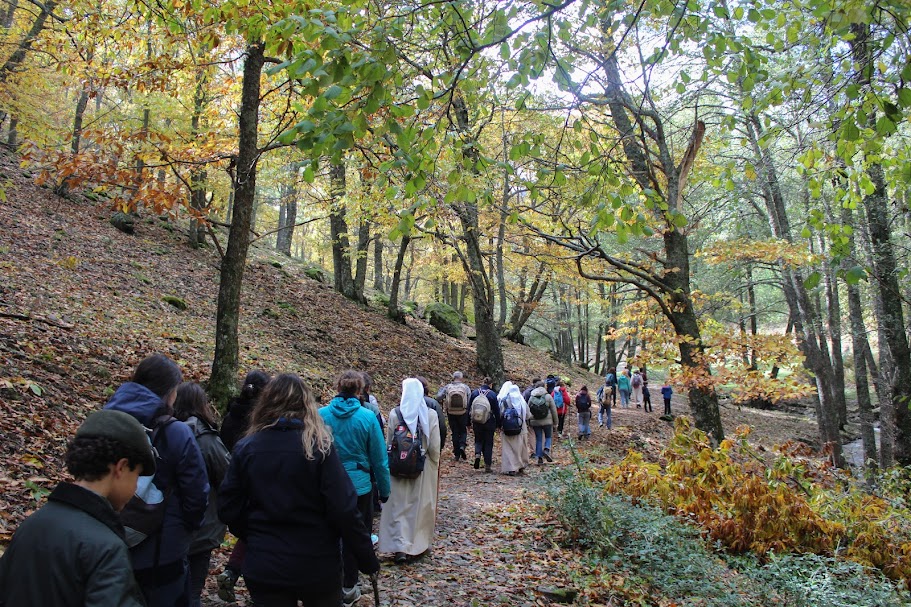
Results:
70 553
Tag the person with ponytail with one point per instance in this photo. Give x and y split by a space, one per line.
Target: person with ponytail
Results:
287 495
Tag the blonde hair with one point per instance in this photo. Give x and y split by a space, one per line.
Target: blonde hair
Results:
289 397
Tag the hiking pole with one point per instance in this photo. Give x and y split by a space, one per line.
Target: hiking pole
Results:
374 580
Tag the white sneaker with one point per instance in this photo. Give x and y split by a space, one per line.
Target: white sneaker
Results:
350 596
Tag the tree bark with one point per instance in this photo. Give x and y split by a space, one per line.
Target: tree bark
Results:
360 266
25 45
338 232
378 263
526 303
394 312
885 271
198 175
226 361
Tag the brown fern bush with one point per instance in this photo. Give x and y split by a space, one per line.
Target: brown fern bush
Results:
791 503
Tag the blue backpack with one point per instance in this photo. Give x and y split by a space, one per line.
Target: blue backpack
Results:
511 420
558 398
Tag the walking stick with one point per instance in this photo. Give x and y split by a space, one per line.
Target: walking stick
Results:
374 580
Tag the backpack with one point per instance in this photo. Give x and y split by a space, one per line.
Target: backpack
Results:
457 396
558 398
406 453
143 515
538 406
512 421
637 381
480 408
611 379
604 397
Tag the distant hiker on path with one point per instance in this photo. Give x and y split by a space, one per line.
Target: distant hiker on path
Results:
543 419
584 409
434 405
71 552
666 393
514 418
623 387
456 398
160 556
233 428
192 407
361 448
526 393
485 418
562 402
408 518
636 389
646 395
289 497
610 382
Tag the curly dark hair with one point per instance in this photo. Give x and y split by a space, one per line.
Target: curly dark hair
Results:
88 458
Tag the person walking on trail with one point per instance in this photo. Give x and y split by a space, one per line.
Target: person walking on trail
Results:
636 389
361 448
623 387
562 402
526 393
456 399
543 419
288 496
605 405
434 405
514 417
485 418
646 395
233 428
584 411
72 551
192 407
160 556
408 518
610 382
666 393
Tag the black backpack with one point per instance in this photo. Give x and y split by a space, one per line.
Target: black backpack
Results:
406 453
511 420
143 515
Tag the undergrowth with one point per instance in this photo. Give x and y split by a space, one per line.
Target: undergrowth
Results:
639 554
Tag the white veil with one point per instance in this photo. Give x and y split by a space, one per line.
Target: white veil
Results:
413 407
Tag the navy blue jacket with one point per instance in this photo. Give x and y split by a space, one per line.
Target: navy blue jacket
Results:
181 468
292 512
494 422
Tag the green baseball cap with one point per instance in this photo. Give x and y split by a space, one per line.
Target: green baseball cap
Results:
123 428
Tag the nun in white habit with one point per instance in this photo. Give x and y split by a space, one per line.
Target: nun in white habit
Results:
408 518
515 448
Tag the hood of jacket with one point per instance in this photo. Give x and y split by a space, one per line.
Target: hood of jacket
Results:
539 391
138 401
344 407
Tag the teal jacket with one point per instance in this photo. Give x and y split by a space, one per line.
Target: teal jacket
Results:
359 442
623 382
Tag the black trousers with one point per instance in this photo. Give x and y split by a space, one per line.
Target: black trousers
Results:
270 596
483 442
667 406
458 425
365 507
561 417
647 399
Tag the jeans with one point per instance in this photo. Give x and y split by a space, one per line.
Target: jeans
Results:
604 416
585 418
349 561
624 398
458 425
199 571
269 596
543 438
483 442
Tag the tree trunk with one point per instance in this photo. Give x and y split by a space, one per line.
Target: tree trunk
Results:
378 263
885 270
198 174
81 104
394 312
501 266
287 212
833 309
226 361
360 271
525 304
10 13
12 137
338 232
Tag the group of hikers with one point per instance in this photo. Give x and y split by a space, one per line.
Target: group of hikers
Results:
157 484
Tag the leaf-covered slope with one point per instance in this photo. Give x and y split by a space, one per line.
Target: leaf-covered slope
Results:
82 303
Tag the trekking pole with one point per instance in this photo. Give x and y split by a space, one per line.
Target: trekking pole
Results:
374 580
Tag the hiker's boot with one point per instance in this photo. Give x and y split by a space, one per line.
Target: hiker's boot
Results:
226 581
547 456
488 469
401 557
477 461
540 461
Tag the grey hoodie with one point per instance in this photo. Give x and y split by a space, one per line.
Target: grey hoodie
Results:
552 419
